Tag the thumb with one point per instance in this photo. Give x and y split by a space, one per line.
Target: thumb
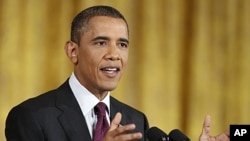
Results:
206 126
116 121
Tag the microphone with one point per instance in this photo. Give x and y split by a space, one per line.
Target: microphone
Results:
177 135
156 134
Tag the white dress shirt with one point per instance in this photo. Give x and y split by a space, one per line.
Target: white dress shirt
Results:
87 102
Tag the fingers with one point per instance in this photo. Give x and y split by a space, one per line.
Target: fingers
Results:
121 133
128 137
116 121
206 125
124 133
123 129
205 135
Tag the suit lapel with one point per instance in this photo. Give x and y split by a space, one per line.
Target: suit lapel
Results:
114 108
71 119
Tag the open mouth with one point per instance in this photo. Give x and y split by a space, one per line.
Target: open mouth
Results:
110 69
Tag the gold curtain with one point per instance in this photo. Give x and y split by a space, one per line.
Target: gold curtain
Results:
187 58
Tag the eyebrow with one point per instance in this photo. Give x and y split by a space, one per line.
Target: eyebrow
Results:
107 38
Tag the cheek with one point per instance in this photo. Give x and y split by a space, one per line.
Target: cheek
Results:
86 63
124 60
124 56
90 56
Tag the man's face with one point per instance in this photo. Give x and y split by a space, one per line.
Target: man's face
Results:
102 54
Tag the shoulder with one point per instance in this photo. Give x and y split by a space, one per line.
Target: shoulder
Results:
33 105
44 100
34 109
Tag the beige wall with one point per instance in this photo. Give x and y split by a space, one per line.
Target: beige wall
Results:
187 58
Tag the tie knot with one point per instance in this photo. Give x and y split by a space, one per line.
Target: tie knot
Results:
100 109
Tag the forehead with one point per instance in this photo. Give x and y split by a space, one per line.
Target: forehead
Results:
107 24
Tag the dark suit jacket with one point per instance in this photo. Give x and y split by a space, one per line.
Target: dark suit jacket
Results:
56 116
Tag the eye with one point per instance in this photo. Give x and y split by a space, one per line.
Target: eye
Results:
123 45
101 43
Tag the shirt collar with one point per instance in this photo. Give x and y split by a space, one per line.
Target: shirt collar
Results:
85 98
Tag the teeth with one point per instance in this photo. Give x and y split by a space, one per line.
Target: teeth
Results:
110 69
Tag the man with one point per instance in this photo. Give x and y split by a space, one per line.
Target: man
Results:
99 51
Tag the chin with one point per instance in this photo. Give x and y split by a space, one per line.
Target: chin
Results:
109 87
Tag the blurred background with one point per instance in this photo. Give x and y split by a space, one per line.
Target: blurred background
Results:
187 58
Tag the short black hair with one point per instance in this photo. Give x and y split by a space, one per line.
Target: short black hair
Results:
80 22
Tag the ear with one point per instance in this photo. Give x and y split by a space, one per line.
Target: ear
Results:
71 49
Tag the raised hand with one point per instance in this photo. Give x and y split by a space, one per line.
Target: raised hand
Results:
205 134
117 132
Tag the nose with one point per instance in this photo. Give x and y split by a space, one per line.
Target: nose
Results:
112 53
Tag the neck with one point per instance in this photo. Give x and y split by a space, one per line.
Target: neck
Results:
101 96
